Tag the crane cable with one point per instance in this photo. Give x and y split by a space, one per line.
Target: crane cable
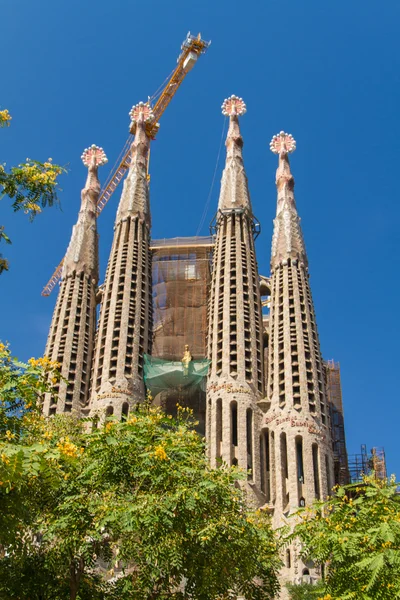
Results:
129 140
213 180
159 90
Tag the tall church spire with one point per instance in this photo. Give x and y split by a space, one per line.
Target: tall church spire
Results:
297 434
72 332
123 335
235 381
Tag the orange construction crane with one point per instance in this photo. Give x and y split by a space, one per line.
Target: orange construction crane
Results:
191 48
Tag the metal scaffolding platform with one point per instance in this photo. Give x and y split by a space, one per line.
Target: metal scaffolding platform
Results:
367 463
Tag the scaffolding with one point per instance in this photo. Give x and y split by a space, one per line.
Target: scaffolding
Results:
181 278
335 402
367 463
181 272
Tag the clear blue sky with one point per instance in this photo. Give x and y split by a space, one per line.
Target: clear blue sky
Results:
328 73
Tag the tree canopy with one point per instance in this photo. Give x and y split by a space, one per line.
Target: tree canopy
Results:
128 510
30 186
357 534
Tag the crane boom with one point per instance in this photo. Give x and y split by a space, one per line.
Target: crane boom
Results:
192 47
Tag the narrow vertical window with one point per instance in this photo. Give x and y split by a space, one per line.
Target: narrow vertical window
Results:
299 469
124 412
262 464
284 470
249 442
218 426
317 487
265 464
273 465
109 411
234 432
288 559
234 424
299 459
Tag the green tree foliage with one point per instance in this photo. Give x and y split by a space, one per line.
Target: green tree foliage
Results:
30 186
357 533
130 510
305 591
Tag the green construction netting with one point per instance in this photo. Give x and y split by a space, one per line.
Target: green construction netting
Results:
161 375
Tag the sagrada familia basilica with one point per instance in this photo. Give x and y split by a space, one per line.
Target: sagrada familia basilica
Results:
192 321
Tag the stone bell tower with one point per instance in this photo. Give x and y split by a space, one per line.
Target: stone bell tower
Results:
235 381
297 459
124 330
72 331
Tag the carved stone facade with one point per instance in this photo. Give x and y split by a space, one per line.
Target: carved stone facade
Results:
266 403
296 428
235 381
124 331
72 331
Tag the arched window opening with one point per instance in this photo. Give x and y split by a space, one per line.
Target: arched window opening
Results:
234 432
234 423
125 411
299 467
317 487
218 432
284 470
109 411
249 442
299 457
265 464
288 559
273 465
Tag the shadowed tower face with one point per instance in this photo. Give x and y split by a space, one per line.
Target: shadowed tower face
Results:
123 335
235 381
297 448
72 331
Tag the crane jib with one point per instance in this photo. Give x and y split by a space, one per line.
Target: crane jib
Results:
192 47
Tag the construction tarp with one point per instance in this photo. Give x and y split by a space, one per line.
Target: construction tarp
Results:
162 375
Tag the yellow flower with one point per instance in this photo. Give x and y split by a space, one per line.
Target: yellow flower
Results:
160 453
9 435
5 118
5 459
67 448
47 435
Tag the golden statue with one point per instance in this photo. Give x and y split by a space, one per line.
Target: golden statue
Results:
186 359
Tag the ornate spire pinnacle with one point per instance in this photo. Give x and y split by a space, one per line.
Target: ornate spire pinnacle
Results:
233 108
82 250
234 191
287 240
283 144
140 114
135 194
93 157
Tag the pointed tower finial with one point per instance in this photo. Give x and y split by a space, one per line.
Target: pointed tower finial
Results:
93 157
140 115
233 108
283 144
234 192
287 240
